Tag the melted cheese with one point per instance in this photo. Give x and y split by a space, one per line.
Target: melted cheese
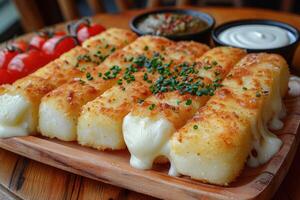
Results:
294 86
265 143
146 139
15 116
265 146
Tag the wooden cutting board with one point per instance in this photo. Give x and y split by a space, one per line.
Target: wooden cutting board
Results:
113 166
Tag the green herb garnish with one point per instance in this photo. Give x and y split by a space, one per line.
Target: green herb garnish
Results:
188 102
152 106
89 76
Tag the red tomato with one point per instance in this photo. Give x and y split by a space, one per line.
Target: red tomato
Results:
37 41
40 38
87 32
20 45
6 77
83 34
14 48
58 45
74 27
96 29
28 62
5 57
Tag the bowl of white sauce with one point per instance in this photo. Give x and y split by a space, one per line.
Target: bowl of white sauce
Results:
258 35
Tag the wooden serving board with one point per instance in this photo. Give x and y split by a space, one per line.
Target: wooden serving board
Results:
113 166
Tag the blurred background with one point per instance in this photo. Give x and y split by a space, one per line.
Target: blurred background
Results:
21 16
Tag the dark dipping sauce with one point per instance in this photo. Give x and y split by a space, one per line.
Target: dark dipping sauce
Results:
167 24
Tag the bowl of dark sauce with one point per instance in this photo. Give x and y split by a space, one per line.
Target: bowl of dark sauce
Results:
175 24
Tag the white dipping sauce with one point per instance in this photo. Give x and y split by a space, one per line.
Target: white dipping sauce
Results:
256 36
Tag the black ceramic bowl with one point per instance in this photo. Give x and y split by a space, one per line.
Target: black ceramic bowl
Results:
201 36
286 51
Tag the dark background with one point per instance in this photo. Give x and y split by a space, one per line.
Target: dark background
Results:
10 25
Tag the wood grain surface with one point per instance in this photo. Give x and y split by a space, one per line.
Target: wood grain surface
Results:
29 179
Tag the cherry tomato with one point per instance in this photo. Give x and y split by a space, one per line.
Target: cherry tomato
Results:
12 49
26 63
37 41
7 77
40 38
86 32
20 45
5 57
83 29
58 45
74 27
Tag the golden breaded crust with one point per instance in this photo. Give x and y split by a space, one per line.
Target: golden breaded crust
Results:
71 96
56 72
71 56
120 59
186 51
112 36
32 87
151 43
117 101
172 105
123 59
104 44
122 98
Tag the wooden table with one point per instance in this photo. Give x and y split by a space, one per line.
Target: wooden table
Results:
23 178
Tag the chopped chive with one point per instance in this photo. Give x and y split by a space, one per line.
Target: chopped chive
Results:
207 67
217 73
214 63
195 127
84 57
145 77
188 102
120 82
152 106
89 76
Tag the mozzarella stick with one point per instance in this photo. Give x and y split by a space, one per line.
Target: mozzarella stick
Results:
19 102
214 145
63 104
172 109
104 44
100 123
